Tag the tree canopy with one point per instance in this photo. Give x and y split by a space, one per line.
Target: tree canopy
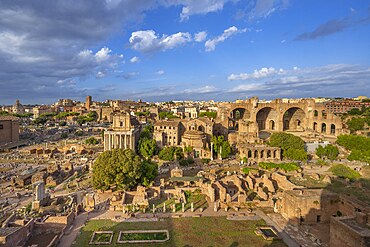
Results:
91 141
221 145
171 153
209 114
329 151
291 145
147 147
123 169
358 145
165 114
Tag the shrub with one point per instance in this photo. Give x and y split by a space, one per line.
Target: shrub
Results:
284 166
205 161
343 171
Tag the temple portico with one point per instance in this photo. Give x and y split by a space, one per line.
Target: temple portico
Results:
119 139
124 133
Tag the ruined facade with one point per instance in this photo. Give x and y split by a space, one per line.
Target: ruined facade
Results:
248 121
9 130
195 133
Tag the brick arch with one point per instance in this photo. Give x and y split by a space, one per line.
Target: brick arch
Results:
237 114
266 118
294 119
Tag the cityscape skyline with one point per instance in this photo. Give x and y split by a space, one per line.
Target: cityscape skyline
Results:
178 50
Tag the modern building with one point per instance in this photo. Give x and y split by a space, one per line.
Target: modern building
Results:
343 106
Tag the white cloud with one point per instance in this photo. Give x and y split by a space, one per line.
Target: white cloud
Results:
210 44
134 60
148 40
100 74
103 54
264 8
200 37
160 72
257 74
196 7
131 75
205 89
328 80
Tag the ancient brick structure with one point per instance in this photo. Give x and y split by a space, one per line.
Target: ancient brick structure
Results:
249 120
9 130
124 134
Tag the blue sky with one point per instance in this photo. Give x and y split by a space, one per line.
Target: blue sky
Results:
159 50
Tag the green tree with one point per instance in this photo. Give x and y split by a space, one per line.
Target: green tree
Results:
188 150
147 147
296 154
355 124
344 172
209 114
64 135
121 168
320 151
358 145
286 141
355 111
221 145
91 141
150 170
164 114
171 153
331 152
291 145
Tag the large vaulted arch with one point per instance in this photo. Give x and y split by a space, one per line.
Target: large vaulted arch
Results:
294 119
236 115
266 119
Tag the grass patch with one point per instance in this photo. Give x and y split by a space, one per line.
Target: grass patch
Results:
308 182
246 170
101 237
143 236
343 171
203 231
288 167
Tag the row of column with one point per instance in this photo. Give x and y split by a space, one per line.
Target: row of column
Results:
263 154
121 141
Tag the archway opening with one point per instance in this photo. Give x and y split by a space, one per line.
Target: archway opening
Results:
272 125
314 126
332 129
236 115
266 118
294 119
323 128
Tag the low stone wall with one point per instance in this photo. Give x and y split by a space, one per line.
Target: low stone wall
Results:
66 220
143 241
19 237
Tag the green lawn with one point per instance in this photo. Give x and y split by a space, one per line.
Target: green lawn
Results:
203 231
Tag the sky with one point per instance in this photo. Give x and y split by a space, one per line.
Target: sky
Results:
160 50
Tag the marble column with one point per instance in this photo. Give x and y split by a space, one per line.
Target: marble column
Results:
109 142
